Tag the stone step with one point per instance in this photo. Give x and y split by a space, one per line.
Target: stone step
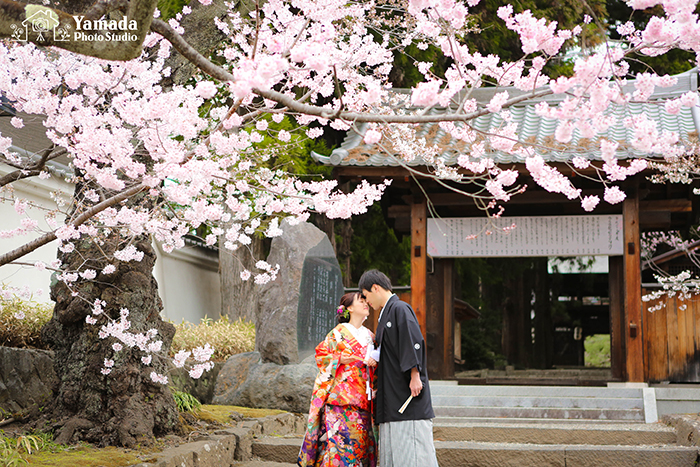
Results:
536 391
258 463
551 413
558 433
485 454
473 454
450 420
534 401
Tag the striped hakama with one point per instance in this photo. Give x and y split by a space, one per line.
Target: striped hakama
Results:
407 444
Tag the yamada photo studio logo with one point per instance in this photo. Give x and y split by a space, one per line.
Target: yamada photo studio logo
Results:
42 21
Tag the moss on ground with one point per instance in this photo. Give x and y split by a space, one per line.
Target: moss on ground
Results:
85 456
88 456
222 413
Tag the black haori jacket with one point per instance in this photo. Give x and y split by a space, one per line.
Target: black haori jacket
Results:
402 348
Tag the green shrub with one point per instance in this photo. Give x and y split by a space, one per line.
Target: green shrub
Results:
24 332
186 402
226 337
597 350
13 450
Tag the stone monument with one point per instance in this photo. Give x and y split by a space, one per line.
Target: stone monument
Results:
297 310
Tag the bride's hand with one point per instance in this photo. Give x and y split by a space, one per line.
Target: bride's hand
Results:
347 359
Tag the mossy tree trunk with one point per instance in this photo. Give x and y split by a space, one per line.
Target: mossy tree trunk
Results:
125 407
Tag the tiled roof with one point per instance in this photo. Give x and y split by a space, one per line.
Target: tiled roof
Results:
532 129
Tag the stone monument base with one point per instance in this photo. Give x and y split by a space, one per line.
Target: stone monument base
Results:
246 381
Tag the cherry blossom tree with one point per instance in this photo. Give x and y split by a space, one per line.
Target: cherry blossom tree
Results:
156 156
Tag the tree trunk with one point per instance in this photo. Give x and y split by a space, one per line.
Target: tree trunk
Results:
125 407
344 251
239 299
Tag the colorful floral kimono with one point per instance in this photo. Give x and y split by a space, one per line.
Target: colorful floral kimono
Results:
340 429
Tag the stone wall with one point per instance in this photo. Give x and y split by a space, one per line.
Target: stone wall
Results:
247 381
27 378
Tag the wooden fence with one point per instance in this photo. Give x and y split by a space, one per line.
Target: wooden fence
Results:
671 340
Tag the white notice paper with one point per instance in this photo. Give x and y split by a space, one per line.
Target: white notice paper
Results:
532 236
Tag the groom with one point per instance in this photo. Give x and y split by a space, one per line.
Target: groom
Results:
405 436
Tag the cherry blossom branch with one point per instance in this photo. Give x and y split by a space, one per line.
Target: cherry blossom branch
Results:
206 66
82 218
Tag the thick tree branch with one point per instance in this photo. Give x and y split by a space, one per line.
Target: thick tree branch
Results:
102 7
18 175
51 236
61 29
294 105
34 170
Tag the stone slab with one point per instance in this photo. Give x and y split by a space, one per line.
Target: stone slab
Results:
539 412
536 391
468 454
687 428
297 309
531 401
627 456
277 449
27 378
650 412
553 435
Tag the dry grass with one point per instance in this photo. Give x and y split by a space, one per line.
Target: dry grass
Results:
226 337
24 332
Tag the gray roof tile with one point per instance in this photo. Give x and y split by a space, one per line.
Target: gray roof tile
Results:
533 129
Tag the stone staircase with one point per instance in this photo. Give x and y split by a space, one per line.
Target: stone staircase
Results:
453 403
484 426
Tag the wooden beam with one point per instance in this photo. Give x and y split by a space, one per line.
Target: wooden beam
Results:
529 197
634 343
654 220
398 210
666 205
419 211
367 172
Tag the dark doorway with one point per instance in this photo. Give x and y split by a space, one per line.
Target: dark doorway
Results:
535 314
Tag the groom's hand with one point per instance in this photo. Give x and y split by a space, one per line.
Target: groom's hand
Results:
416 385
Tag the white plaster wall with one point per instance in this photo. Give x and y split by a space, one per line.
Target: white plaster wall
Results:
188 283
188 279
36 191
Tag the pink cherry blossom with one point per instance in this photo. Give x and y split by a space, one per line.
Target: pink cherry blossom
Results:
613 195
372 136
426 93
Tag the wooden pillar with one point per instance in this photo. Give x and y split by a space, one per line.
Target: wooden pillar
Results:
419 212
616 284
633 288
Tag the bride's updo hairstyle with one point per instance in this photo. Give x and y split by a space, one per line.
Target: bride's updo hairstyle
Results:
342 311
